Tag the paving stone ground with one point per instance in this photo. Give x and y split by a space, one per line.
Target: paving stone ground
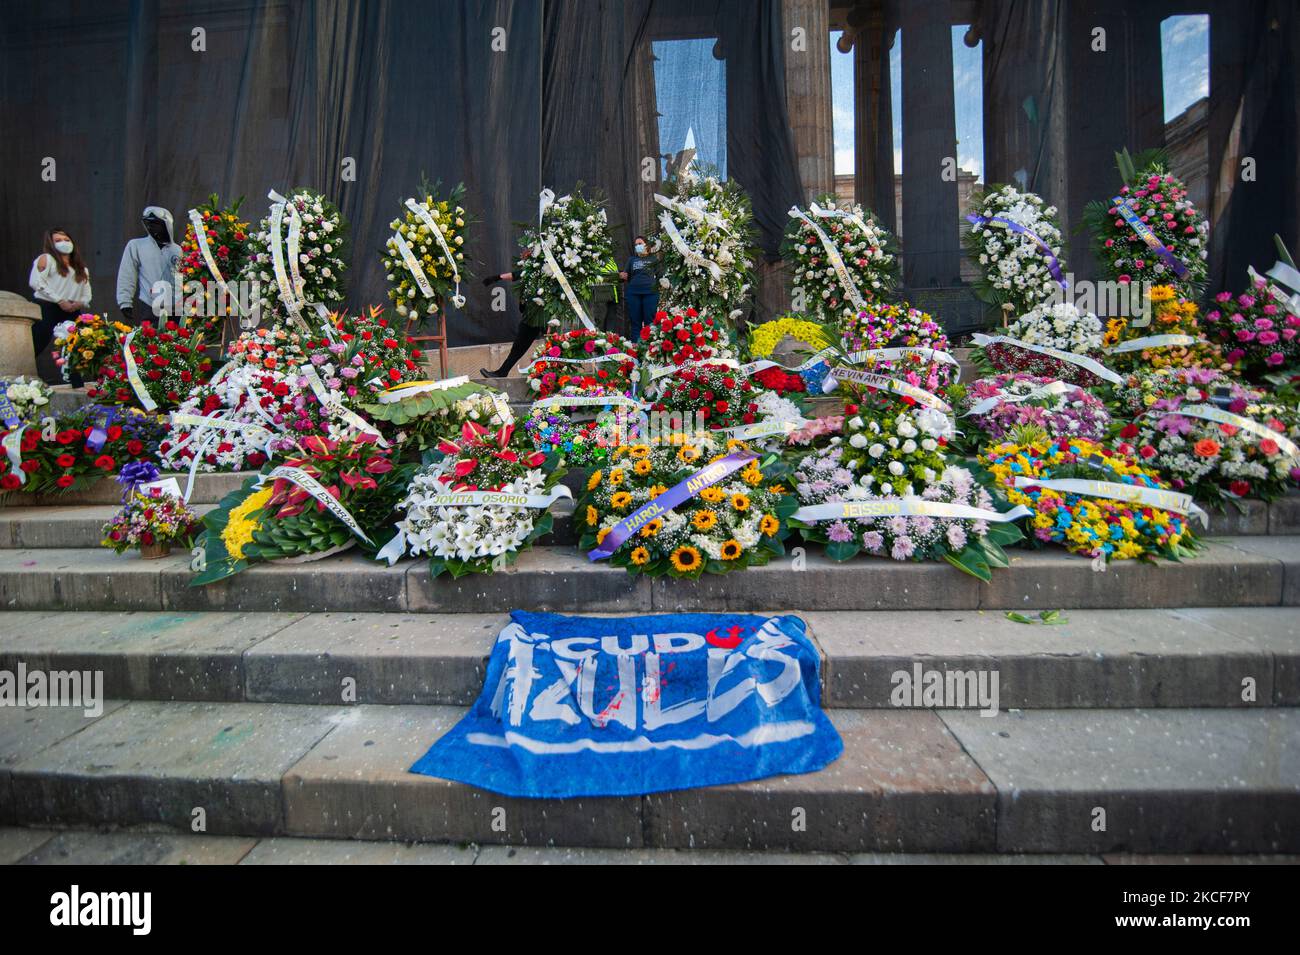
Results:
19 846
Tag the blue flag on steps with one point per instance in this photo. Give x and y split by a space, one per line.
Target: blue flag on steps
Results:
622 706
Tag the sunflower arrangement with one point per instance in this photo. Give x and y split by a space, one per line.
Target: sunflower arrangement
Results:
1170 314
1111 528
865 247
737 521
414 252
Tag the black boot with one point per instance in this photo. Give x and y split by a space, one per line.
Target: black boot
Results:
524 338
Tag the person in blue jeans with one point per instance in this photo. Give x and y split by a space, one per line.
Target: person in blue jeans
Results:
642 291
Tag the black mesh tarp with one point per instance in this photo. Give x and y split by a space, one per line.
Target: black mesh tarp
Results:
114 92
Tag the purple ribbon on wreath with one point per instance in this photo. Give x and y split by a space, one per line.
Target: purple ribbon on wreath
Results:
1053 265
1144 232
668 501
99 433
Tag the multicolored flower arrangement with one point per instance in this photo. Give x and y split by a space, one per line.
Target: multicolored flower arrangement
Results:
475 535
170 361
1114 528
321 250
225 235
974 546
82 345
902 327
1169 314
1241 449
1141 390
583 434
1015 238
1159 200
676 338
75 449
736 522
576 231
277 517
1258 329
366 356
440 263
997 406
865 247
147 520
582 357
705 245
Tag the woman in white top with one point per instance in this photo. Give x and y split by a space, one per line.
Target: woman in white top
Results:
60 284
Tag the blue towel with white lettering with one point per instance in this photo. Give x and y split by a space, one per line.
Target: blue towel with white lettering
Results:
623 706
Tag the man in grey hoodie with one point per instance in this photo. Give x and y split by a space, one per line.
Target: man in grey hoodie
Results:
150 265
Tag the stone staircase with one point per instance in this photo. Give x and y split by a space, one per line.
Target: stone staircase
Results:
1160 717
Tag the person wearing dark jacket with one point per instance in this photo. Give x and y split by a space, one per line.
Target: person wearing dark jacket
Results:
642 278
529 330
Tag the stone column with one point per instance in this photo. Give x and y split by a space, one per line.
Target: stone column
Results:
931 244
873 122
808 93
1024 100
1114 99
17 316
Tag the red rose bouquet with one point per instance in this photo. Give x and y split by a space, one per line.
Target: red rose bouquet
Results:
169 361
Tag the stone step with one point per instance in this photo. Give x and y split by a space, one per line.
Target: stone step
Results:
79 525
1065 781
1231 572
209 488
1097 658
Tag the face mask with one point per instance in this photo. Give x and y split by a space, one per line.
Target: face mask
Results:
640 248
64 247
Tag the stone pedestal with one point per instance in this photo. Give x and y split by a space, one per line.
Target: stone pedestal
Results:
17 316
